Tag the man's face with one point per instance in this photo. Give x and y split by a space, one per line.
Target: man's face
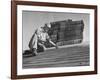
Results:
46 29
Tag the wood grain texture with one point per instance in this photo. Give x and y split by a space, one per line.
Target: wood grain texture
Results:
62 57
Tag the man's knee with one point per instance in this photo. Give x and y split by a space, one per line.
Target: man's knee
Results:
41 47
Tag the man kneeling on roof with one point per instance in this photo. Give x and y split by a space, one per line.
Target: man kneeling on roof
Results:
39 38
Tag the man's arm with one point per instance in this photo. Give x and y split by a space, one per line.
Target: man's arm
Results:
48 38
53 44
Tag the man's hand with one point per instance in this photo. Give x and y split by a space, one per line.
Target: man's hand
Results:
56 46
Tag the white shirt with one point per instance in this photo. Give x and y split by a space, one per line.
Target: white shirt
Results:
43 36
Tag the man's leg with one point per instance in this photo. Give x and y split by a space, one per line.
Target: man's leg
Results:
42 45
34 46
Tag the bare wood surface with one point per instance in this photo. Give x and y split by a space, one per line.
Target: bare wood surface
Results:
62 57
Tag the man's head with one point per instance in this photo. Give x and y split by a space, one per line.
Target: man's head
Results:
46 27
